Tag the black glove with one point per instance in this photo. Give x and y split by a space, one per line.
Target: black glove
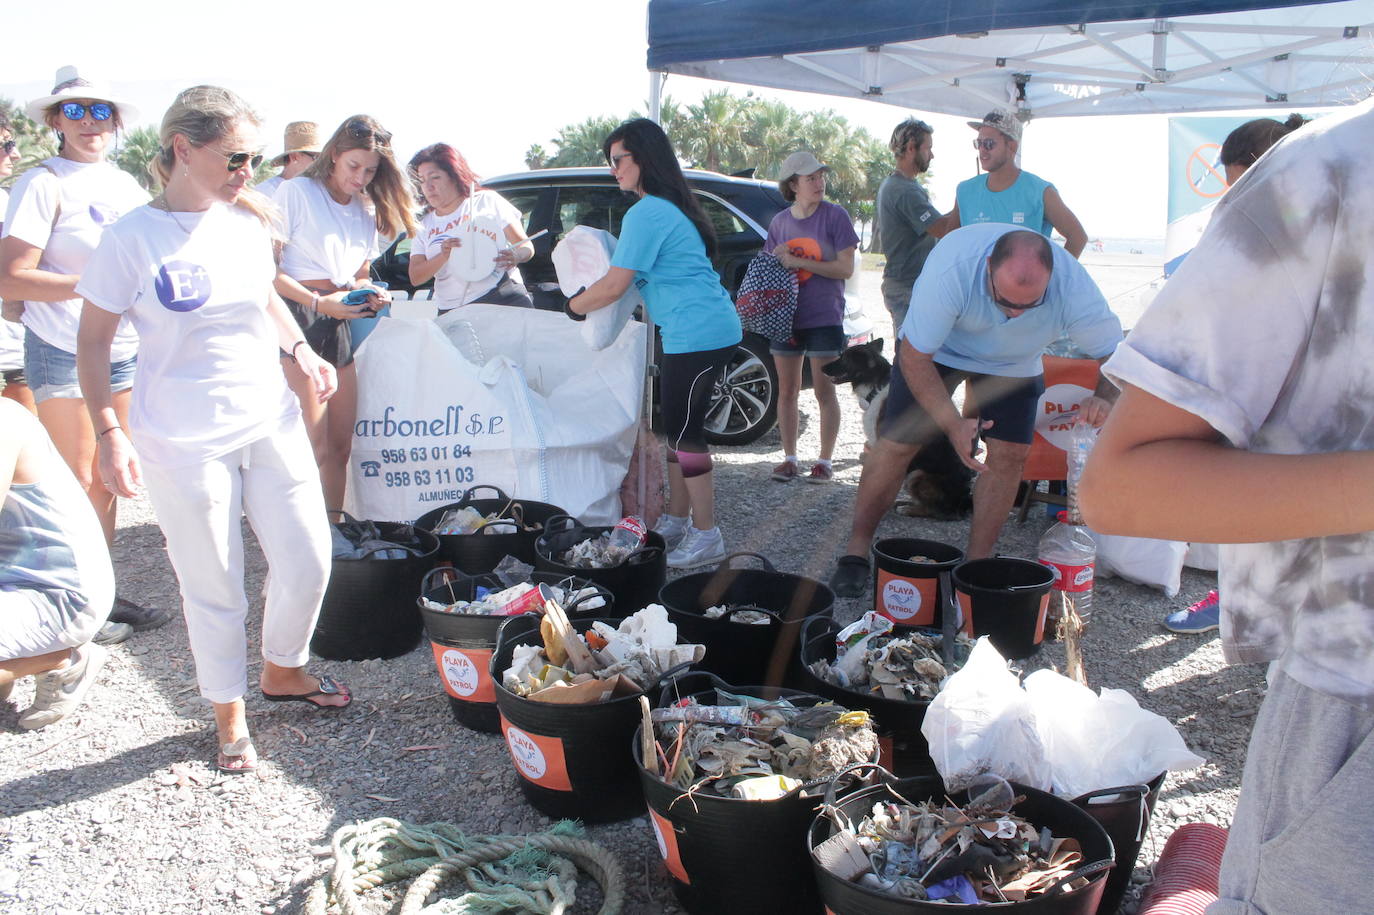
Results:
567 306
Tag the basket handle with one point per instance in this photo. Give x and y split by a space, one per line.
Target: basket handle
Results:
810 623
514 627
601 592
449 573
680 673
728 561
560 523
1087 870
343 515
949 613
830 789
1138 790
467 493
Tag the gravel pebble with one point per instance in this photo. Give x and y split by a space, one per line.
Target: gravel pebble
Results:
123 807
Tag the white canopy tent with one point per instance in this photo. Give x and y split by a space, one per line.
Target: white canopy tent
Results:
1057 59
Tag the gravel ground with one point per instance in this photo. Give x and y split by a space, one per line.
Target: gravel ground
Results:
118 808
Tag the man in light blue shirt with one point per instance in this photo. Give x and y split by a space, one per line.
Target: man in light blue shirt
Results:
1007 194
987 302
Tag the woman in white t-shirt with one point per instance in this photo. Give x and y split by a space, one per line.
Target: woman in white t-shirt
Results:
214 432
330 219
55 218
470 239
12 380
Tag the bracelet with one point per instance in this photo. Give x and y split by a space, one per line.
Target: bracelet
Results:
314 306
298 344
111 429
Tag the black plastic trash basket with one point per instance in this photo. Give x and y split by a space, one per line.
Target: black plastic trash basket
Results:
480 552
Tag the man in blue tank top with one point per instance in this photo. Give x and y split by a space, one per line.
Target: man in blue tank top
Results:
1007 194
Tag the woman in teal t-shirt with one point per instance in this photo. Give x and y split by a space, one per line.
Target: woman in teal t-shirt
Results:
665 249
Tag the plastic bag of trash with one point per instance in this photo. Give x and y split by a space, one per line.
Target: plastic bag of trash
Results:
982 722
1094 741
580 259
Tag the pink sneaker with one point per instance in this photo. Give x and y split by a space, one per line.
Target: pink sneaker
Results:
820 474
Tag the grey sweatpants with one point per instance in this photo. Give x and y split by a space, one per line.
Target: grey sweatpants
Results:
1302 840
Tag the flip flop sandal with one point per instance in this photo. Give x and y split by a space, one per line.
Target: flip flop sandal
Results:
237 757
327 687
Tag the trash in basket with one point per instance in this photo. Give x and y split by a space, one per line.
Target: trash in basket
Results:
738 793
501 525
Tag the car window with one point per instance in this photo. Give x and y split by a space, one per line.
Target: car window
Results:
598 207
723 220
524 201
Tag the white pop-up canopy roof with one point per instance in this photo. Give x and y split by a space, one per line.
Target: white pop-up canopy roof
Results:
1041 58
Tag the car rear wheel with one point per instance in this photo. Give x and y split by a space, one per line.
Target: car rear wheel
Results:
744 401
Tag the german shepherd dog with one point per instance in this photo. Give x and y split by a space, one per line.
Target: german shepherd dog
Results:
938 485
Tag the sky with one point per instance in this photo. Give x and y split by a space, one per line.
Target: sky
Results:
493 78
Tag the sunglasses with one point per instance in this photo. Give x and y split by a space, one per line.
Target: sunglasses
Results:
361 130
238 160
1014 306
7 148
988 143
615 160
75 111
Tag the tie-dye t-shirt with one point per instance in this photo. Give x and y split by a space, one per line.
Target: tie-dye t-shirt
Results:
1267 333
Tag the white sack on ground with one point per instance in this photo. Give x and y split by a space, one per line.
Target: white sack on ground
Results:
1204 556
1145 561
581 258
489 394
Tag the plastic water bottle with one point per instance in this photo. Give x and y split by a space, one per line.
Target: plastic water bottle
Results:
1068 550
629 534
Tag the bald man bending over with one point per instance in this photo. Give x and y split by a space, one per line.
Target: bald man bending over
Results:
989 299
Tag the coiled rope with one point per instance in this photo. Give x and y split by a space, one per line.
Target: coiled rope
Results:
381 851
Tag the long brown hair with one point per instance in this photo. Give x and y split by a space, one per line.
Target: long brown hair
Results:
204 115
389 190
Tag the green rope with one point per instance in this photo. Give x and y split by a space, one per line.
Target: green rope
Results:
530 873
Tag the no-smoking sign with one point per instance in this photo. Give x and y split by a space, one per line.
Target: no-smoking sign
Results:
1203 175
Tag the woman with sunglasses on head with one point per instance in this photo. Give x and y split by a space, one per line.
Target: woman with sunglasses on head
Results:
665 249
470 240
54 221
214 431
15 385
329 221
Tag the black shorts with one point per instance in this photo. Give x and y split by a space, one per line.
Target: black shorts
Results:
1009 402
329 337
685 383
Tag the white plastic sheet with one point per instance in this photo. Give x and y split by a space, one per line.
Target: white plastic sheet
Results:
581 258
1145 561
489 394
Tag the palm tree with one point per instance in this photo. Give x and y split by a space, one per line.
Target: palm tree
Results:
580 144
535 157
711 137
135 155
36 142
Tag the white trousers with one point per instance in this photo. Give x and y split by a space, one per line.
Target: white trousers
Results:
274 481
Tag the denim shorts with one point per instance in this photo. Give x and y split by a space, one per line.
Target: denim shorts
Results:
812 341
52 371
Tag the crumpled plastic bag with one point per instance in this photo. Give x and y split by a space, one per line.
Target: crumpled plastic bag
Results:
1053 734
982 722
1094 741
581 258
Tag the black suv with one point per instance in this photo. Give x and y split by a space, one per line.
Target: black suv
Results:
745 400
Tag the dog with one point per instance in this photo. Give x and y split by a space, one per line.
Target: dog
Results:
938 485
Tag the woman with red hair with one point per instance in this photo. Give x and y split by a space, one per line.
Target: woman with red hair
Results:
470 240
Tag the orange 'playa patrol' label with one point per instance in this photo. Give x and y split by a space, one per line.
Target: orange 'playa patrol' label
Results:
667 846
465 672
537 758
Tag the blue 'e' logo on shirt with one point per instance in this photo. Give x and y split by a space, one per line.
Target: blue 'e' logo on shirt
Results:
182 286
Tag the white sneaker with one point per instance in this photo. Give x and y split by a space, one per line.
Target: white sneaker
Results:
59 692
672 529
698 548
